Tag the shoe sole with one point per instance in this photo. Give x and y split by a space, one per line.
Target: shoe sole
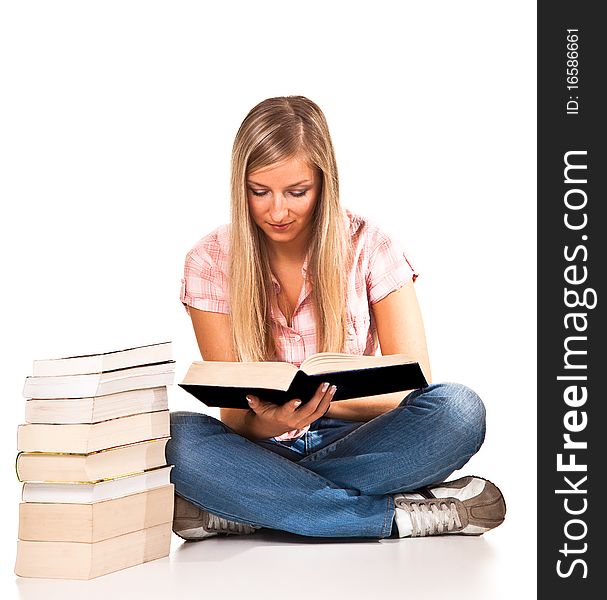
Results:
191 535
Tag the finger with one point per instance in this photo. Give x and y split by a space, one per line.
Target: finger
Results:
306 417
309 407
319 402
320 395
324 404
327 398
255 404
288 409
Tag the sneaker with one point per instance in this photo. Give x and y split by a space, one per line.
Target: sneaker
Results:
193 523
468 506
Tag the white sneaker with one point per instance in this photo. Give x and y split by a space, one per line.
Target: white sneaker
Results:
193 523
468 506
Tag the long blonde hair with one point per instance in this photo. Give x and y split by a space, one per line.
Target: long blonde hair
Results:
275 130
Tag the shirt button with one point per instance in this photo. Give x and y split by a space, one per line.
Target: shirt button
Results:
351 330
296 337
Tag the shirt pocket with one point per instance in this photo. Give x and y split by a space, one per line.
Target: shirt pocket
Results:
357 332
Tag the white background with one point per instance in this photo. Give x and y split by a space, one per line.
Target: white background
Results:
117 120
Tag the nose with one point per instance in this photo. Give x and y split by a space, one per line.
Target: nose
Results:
279 209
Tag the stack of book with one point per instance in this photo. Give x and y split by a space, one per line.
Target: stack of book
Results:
97 495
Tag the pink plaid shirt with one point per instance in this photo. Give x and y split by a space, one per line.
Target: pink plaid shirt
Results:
380 268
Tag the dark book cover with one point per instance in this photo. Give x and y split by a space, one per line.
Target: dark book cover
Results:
350 384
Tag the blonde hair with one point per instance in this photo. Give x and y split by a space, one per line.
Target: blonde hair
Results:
275 130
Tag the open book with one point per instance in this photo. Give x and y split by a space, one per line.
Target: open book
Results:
226 384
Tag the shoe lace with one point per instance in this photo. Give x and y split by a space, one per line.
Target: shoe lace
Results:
431 518
216 524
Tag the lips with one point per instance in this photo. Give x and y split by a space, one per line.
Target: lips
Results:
281 226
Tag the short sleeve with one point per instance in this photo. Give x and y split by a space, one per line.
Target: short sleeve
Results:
389 269
204 285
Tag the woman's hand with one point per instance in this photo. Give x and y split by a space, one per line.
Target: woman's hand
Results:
289 416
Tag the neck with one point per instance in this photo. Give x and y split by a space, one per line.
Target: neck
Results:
293 253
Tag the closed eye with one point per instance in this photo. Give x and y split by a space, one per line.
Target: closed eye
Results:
293 193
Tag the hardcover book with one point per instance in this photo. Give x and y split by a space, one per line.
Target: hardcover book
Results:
86 438
99 384
97 408
75 560
85 493
226 384
89 523
106 361
102 464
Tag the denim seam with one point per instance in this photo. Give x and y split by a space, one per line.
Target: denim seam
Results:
387 526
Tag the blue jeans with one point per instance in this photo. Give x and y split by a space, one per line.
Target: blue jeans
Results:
338 480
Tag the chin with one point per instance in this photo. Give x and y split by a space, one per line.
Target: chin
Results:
280 237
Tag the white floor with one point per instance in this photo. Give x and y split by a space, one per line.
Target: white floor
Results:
498 565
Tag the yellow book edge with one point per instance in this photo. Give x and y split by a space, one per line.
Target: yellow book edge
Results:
95 481
85 454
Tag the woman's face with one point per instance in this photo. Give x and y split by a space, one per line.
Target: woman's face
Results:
282 198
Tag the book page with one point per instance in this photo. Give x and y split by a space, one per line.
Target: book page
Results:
329 362
270 375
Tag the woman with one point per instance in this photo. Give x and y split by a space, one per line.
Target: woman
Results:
296 274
